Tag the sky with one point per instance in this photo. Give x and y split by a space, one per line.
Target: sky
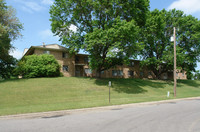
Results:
34 15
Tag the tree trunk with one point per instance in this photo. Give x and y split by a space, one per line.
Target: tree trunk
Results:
156 73
98 73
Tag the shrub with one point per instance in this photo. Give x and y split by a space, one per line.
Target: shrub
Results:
38 66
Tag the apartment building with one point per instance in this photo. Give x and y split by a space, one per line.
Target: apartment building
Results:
77 65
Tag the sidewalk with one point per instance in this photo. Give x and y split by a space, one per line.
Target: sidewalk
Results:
94 109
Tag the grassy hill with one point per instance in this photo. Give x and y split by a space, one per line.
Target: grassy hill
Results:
49 94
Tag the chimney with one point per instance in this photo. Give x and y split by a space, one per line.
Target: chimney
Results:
43 44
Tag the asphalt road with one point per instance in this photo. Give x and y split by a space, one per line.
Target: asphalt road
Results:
180 116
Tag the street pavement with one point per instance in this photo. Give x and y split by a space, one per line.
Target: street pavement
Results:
174 116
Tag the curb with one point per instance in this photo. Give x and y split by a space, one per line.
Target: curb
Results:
84 110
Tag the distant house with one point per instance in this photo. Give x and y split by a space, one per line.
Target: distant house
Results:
77 65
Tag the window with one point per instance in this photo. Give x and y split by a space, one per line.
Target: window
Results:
149 73
86 59
183 74
117 73
102 72
76 59
120 73
88 71
177 74
65 68
131 63
64 55
114 73
165 76
46 52
130 73
141 74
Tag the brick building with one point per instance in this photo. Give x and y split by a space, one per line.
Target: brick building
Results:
77 65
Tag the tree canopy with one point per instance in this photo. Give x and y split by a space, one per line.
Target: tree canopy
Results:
114 31
10 28
106 29
196 75
158 49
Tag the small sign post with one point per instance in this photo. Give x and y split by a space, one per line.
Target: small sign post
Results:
109 84
168 93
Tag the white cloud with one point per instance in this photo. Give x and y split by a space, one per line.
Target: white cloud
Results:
30 6
188 6
26 9
47 2
34 6
16 53
48 35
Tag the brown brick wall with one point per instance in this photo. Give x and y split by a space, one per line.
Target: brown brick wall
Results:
70 62
81 59
181 74
125 69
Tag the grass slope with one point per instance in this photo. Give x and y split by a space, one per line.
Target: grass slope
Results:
49 94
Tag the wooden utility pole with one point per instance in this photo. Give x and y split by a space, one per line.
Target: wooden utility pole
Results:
174 62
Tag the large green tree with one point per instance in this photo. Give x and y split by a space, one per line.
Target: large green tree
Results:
9 30
106 29
158 49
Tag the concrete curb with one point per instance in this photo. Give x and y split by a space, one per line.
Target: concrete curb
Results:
84 110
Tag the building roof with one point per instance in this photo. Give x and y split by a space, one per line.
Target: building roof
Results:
25 50
51 46
54 47
46 47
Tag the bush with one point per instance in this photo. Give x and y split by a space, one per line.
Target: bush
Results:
38 66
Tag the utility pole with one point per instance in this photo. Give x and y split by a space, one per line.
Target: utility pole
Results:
174 62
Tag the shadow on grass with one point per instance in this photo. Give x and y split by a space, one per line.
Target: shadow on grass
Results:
192 83
132 86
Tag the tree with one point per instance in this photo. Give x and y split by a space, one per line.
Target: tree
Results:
38 66
106 29
10 28
112 46
158 49
196 75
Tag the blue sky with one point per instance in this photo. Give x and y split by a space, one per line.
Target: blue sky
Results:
34 14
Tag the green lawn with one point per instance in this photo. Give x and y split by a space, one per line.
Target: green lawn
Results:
49 94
